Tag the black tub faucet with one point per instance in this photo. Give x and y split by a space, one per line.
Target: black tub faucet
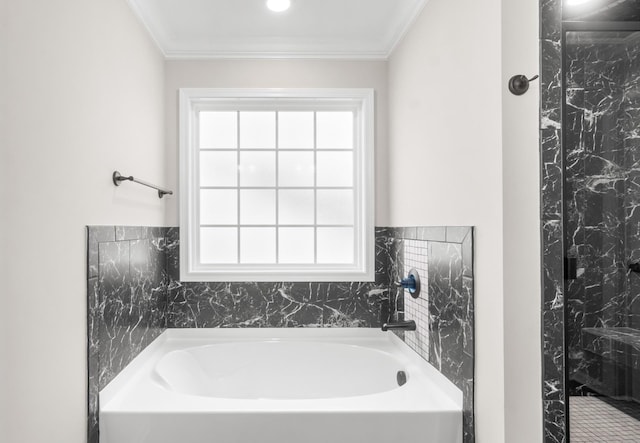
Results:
408 325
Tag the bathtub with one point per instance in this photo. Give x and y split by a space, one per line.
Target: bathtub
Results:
321 385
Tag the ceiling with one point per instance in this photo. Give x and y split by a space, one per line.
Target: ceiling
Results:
360 29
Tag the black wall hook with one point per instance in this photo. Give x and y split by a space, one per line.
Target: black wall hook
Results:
519 84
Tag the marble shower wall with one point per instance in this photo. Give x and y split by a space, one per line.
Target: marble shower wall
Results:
555 413
135 293
552 300
602 192
126 302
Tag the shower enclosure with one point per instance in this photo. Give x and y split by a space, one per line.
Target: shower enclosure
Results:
601 193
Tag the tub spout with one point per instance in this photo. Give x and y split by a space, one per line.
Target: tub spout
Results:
408 325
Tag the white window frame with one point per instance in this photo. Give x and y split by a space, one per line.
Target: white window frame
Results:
191 100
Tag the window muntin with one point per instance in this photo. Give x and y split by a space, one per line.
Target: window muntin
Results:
277 186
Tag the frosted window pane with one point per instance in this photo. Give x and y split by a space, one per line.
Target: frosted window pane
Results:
295 130
257 130
257 245
335 245
218 245
335 130
257 169
295 207
334 169
335 207
257 207
218 168
218 130
295 245
295 169
218 207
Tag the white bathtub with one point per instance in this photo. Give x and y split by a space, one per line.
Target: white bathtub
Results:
329 385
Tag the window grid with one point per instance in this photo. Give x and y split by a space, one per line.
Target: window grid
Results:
238 150
315 186
238 230
277 187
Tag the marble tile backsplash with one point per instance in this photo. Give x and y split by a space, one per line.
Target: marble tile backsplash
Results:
126 302
444 312
134 293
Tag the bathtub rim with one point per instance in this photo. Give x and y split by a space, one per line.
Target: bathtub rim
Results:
180 338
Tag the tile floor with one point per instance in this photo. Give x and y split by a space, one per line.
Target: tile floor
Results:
599 419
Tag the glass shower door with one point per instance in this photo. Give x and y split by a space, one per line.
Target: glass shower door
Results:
602 233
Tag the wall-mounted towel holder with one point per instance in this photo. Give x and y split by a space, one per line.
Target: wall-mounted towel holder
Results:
118 178
519 84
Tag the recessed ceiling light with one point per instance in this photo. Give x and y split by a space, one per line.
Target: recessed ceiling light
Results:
278 5
576 2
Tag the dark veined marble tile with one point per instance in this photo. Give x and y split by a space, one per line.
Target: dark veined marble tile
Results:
354 304
408 232
132 294
95 235
554 416
447 309
552 255
550 18
457 234
467 255
551 83
553 355
633 316
604 247
93 427
605 297
468 323
129 233
551 170
431 233
93 358
552 214
172 246
246 305
575 295
385 252
468 422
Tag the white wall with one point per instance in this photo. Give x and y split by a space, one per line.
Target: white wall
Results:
451 111
3 210
84 86
521 219
279 74
446 91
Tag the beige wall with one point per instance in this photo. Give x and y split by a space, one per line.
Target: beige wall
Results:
279 74
447 113
84 86
521 220
4 414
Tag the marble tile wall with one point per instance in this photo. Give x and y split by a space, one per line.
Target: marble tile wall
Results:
555 411
126 302
279 304
135 293
552 300
448 343
601 195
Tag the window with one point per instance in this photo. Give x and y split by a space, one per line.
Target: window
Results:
276 185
